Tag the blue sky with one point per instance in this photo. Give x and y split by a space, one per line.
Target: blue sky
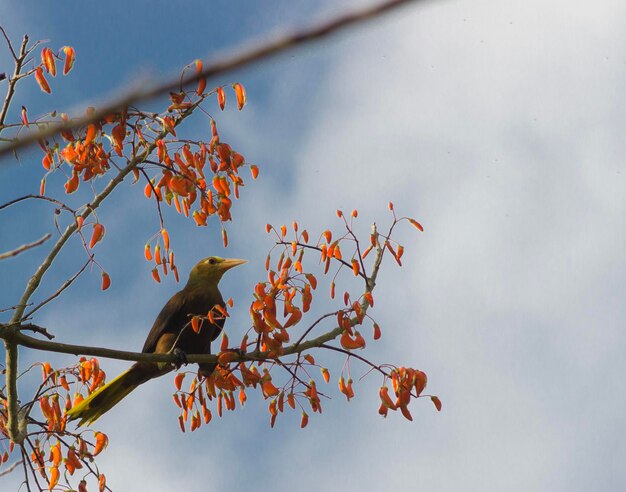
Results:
499 127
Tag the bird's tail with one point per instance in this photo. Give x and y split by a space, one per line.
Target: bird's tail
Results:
105 398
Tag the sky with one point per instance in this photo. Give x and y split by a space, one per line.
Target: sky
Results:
497 126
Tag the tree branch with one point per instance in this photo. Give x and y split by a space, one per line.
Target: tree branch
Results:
258 51
65 285
25 247
298 347
19 60
8 470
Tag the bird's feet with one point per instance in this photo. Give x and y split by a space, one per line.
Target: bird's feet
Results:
180 357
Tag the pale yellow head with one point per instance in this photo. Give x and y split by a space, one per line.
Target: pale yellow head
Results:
212 268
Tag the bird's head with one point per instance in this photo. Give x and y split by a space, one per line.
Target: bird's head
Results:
212 268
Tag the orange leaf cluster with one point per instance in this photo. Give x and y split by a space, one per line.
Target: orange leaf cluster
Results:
406 383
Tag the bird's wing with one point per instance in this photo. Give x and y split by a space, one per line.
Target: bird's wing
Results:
171 318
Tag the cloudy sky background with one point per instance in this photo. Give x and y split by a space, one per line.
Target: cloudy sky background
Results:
498 125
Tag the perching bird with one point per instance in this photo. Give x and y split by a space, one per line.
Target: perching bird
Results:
171 332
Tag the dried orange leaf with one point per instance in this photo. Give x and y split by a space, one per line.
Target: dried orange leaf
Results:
41 80
70 56
437 402
240 92
106 281
416 224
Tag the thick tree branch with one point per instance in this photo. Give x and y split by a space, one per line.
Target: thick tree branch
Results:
298 347
257 51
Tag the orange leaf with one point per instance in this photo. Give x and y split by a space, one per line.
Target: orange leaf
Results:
47 57
98 234
178 380
201 82
405 411
55 454
25 121
355 267
325 374
240 92
155 275
102 482
384 396
312 280
72 184
254 170
416 224
54 477
376 331
101 442
304 421
437 402
43 83
106 281
420 382
147 252
295 317
196 323
221 97
166 239
90 135
269 389
70 56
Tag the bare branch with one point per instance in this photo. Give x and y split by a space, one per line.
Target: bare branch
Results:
25 247
65 285
319 250
37 197
19 60
258 51
37 329
10 468
9 44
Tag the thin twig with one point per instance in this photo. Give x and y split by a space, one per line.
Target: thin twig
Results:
37 197
257 51
37 329
356 356
308 330
65 285
25 247
9 44
316 248
8 470
19 60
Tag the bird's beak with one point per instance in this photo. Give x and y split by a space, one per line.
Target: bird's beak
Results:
229 263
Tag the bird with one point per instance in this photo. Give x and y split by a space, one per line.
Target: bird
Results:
170 333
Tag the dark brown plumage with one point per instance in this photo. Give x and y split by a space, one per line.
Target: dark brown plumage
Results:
171 332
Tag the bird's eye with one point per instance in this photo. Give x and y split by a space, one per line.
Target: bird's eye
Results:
212 261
